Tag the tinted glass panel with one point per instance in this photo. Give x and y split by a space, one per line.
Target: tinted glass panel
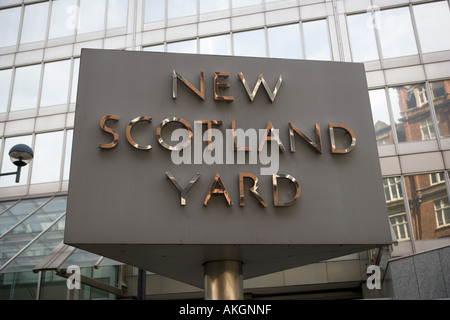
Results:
55 86
216 45
440 90
92 16
47 157
63 19
9 26
380 115
250 43
5 85
362 37
117 13
155 10
34 23
284 42
26 87
317 43
181 8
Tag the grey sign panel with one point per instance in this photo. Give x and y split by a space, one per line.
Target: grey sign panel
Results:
123 205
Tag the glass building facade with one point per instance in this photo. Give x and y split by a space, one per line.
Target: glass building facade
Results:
404 45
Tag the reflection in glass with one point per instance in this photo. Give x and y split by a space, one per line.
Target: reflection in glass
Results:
8 166
9 26
5 85
188 46
213 5
396 33
250 43
440 91
362 37
157 48
76 68
433 26
34 23
55 86
244 3
380 115
155 10
63 18
284 42
396 208
411 110
92 16
317 43
47 157
429 205
181 8
117 13
220 45
26 87
68 154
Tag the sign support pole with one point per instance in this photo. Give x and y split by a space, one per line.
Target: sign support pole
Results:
223 280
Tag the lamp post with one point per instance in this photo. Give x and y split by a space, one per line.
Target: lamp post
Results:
20 155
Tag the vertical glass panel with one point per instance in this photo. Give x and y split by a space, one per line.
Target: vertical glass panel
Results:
63 19
396 208
220 45
34 23
8 166
181 8
430 208
47 157
362 37
380 115
18 286
440 91
68 154
117 13
5 85
53 287
189 46
213 5
55 86
9 26
244 3
411 110
157 48
250 43
92 16
155 10
433 26
26 88
396 33
317 41
284 42
76 69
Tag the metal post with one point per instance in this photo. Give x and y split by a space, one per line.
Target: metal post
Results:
223 280
142 279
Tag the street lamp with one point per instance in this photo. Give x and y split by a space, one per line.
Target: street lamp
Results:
20 155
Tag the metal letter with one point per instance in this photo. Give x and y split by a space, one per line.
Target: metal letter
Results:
166 121
277 203
214 190
200 93
209 123
218 85
252 189
128 133
317 146
331 127
109 130
271 94
183 191
273 136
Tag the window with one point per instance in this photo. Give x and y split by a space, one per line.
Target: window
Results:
411 112
213 5
181 8
155 10
433 26
68 154
117 13
47 157
244 3
392 189
396 33
362 37
76 68
188 46
220 45
92 16
63 18
317 41
5 85
437 177
26 88
9 26
440 91
250 43
157 48
34 23
380 115
284 42
442 212
55 86
400 226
